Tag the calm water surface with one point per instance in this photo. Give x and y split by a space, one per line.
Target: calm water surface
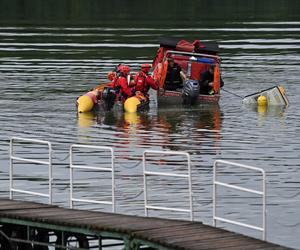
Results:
44 69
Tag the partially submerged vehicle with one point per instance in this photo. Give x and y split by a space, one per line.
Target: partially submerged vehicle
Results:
274 96
194 59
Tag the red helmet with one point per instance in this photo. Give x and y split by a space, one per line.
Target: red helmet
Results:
146 67
124 69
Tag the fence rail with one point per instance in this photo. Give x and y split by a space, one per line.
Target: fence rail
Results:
13 158
153 173
98 169
236 187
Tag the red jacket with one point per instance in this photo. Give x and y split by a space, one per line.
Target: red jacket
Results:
121 84
143 82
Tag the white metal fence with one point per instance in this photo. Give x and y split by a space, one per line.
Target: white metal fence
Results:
98 169
13 158
153 173
146 173
261 193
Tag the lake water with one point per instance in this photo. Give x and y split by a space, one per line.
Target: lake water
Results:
47 62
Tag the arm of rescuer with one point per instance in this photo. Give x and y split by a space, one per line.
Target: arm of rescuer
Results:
124 86
207 79
211 84
151 82
183 76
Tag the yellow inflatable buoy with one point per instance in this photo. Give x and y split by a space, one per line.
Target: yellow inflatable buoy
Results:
85 104
261 100
131 104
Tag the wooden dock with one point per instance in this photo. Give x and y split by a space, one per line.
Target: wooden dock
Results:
31 225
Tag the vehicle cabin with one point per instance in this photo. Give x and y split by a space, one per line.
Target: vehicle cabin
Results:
193 58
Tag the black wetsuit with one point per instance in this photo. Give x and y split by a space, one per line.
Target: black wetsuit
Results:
173 78
206 78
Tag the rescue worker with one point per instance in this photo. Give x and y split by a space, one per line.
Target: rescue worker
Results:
120 83
175 76
115 72
207 81
143 81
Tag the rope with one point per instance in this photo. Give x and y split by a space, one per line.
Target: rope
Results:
127 197
274 218
129 167
63 159
233 93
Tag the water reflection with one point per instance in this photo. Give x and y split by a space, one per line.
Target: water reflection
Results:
171 120
271 111
267 110
171 128
86 119
119 119
203 117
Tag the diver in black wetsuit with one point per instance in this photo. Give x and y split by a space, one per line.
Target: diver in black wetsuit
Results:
207 80
175 76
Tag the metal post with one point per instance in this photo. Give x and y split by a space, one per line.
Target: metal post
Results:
113 181
264 207
190 187
71 178
214 194
11 169
50 173
145 185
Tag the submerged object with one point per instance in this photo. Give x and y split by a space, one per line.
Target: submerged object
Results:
271 96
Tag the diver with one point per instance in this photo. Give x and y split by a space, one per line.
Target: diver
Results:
175 76
143 81
207 81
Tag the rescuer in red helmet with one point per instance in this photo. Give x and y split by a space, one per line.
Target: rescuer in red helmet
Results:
143 81
120 83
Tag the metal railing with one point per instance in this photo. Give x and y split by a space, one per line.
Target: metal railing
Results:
153 173
191 54
236 187
13 158
103 169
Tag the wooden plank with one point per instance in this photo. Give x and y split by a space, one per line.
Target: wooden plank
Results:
174 234
238 244
22 207
230 242
30 212
138 223
14 205
177 231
